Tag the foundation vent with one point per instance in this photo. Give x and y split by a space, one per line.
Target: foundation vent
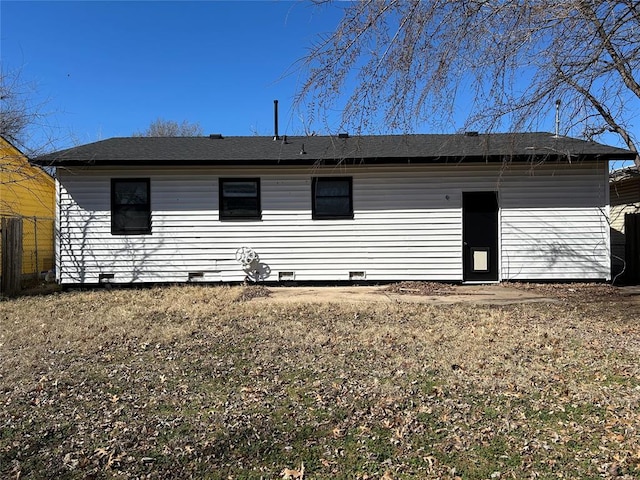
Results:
195 275
357 276
286 276
106 277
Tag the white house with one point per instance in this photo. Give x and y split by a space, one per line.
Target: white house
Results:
460 208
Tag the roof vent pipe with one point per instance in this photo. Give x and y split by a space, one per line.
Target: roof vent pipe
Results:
275 120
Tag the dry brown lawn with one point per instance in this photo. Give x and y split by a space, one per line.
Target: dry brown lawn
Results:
205 382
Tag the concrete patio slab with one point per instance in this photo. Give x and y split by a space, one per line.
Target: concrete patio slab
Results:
473 294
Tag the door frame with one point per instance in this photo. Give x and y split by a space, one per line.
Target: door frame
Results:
466 249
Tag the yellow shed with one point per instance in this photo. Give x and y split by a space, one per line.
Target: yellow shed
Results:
28 192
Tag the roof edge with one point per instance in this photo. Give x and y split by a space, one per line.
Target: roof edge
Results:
521 159
365 149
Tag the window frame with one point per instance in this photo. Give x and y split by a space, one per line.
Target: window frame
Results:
116 208
225 216
332 216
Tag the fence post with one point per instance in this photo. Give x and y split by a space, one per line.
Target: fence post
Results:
37 246
11 255
632 246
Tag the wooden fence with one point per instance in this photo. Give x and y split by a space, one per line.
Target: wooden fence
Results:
632 247
11 271
27 250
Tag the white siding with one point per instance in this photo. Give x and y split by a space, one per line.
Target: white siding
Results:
554 224
407 224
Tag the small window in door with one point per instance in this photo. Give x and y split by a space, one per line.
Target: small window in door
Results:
480 259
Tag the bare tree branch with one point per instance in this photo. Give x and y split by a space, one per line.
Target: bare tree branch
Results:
169 128
619 63
411 63
604 113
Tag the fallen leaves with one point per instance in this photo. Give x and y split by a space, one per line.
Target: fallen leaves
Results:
288 473
420 288
191 382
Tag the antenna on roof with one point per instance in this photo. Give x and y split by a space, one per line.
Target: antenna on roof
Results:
558 102
275 120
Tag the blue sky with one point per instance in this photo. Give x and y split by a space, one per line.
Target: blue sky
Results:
110 68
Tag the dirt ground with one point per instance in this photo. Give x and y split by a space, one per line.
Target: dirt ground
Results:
445 294
434 293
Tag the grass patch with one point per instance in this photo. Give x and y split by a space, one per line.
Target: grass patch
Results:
204 382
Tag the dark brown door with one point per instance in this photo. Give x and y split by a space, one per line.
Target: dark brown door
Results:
480 236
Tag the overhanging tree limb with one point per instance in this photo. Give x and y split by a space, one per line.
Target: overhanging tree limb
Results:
606 115
620 64
454 64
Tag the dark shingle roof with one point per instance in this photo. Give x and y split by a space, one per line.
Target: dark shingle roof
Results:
328 149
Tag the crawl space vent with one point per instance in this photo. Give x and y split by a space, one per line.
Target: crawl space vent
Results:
286 276
357 275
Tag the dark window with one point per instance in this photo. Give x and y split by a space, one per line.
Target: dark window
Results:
332 197
130 206
240 199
